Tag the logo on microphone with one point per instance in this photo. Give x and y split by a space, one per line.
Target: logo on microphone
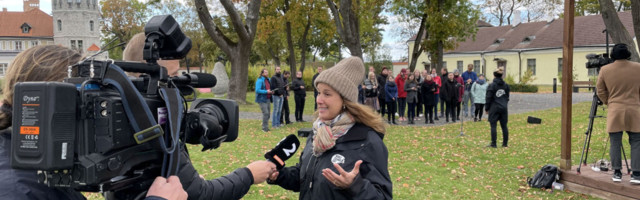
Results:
337 159
288 152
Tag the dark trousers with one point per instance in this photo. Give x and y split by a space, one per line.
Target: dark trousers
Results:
402 104
616 145
457 105
285 111
479 110
299 99
391 107
451 110
419 105
383 106
503 117
442 106
435 107
315 97
411 113
428 113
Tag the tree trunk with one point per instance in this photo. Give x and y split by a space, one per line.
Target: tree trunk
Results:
275 57
441 53
292 51
303 43
238 78
417 44
616 29
635 15
347 26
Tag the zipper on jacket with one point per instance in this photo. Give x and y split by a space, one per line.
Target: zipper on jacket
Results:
315 164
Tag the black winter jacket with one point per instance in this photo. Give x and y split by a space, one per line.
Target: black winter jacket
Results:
359 143
382 81
297 82
428 90
277 84
450 90
497 96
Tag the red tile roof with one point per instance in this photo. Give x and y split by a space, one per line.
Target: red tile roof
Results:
587 32
41 23
93 47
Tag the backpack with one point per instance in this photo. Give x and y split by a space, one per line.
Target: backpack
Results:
545 177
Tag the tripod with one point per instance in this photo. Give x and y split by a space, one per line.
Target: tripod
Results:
585 148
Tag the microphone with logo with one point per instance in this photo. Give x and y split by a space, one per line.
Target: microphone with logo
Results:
284 150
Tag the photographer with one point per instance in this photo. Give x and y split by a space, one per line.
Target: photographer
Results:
346 146
232 186
617 88
47 63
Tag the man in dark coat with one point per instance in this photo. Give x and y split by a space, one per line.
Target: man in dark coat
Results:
284 117
300 94
450 94
496 106
315 91
444 74
382 81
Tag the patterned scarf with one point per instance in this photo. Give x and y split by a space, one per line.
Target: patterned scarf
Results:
327 132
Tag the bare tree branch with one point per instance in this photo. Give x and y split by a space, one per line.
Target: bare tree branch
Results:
235 19
214 32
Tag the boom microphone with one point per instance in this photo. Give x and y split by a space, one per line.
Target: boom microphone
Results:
197 80
283 151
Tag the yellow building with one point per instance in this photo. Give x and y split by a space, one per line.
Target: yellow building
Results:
535 46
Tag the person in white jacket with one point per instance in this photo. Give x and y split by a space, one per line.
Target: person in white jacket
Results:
479 94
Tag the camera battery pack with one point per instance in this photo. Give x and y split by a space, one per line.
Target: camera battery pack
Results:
44 124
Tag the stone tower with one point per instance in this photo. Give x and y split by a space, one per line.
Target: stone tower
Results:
76 25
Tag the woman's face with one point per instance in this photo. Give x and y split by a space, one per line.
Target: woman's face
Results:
411 77
372 76
329 102
428 77
391 78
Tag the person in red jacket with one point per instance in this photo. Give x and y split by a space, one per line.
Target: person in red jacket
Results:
402 95
438 81
458 78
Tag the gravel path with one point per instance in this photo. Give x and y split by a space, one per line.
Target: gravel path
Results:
518 103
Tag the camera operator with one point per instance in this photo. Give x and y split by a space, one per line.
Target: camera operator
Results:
47 63
617 88
232 186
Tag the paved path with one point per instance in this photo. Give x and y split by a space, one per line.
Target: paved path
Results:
518 103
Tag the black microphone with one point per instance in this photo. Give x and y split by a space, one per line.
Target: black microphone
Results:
196 80
283 151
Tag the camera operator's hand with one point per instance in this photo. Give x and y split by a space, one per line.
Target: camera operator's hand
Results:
261 170
170 189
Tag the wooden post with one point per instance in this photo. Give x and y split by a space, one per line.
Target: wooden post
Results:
567 83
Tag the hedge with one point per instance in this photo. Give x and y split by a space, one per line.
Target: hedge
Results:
523 88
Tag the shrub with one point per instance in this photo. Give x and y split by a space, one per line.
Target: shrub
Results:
523 85
523 88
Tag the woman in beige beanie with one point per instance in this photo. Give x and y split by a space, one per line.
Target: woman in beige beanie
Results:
346 147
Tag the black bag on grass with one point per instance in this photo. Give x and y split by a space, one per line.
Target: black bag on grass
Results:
545 177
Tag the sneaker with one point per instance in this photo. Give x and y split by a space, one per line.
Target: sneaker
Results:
635 179
420 115
617 176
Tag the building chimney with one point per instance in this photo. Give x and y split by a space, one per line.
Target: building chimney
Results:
516 18
29 5
4 9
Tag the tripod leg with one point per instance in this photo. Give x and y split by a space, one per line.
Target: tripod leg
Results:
625 158
587 140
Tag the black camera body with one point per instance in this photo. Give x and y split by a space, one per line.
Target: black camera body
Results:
103 131
597 60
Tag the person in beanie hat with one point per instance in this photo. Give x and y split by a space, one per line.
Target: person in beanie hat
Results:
618 89
346 146
496 105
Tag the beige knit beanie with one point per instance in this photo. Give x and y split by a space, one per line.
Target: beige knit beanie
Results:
344 77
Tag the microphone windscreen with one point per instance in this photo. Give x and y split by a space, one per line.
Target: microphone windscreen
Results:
284 150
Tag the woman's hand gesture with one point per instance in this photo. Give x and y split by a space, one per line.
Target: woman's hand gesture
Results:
345 179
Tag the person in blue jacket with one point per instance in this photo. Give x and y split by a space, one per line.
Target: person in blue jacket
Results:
263 94
391 96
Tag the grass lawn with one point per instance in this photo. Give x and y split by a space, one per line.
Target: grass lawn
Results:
433 162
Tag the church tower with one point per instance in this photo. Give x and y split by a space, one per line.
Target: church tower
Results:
76 25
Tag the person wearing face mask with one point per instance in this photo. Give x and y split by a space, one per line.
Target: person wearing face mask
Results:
479 94
300 94
438 82
450 93
428 88
345 158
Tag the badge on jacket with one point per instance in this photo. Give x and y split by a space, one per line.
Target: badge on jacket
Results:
337 159
500 92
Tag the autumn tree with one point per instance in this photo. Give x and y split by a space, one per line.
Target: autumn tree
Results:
238 50
616 29
409 12
121 20
347 17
